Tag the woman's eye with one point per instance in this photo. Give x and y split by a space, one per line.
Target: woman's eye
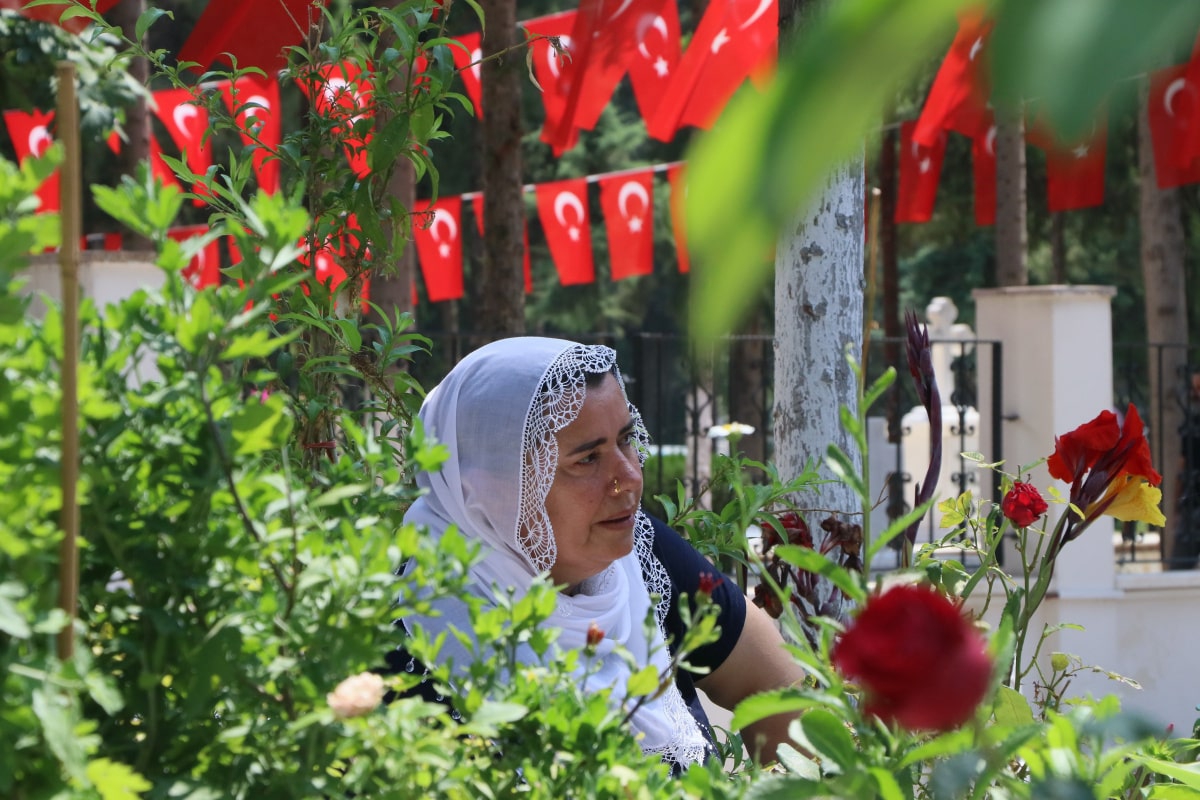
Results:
590 458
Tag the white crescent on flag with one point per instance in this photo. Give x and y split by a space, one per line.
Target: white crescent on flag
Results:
647 22
564 200
183 114
629 189
334 88
620 10
39 140
1173 88
443 217
989 141
719 41
763 5
257 100
476 64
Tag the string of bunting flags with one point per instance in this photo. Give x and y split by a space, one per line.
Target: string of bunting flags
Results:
626 199
600 43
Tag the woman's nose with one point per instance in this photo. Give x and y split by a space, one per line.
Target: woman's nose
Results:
629 470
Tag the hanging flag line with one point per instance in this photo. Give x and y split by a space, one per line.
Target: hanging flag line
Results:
529 187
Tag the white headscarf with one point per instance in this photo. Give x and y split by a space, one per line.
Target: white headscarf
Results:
497 412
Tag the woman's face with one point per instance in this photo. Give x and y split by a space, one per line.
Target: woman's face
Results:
593 518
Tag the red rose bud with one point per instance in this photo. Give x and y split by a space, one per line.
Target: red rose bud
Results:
595 635
1023 504
920 663
708 582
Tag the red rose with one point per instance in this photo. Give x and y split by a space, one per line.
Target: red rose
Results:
708 582
919 662
796 529
1023 504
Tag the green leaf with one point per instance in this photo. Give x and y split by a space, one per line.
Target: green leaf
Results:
258 344
886 784
12 621
339 493
808 559
827 733
260 426
116 781
148 18
1011 707
643 682
767 704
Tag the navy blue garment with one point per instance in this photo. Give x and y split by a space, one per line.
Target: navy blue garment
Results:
684 567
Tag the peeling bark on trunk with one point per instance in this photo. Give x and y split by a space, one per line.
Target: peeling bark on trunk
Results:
818 318
1162 249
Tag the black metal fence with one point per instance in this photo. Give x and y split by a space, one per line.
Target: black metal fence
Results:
681 393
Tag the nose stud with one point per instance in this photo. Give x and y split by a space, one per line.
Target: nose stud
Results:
616 486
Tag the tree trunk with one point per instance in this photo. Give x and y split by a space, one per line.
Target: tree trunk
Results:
1162 249
502 310
137 121
1012 239
818 319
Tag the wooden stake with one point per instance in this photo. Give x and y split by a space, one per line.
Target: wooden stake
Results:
71 191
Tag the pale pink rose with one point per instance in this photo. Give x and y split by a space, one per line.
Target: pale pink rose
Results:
357 695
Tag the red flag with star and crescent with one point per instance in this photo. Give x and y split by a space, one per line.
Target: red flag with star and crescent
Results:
1173 110
958 98
983 159
437 232
186 122
477 210
628 204
676 180
466 60
920 172
549 67
655 55
735 40
30 134
1074 170
563 210
342 92
204 270
254 100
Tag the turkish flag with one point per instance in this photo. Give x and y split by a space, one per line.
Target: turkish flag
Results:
655 55
958 99
983 156
437 232
54 13
255 32
30 134
186 122
563 210
205 267
920 171
628 204
735 40
549 65
1074 170
466 61
678 184
254 100
477 209
342 93
1173 107
159 170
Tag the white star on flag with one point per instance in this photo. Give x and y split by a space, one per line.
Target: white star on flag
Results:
1081 151
661 67
573 232
444 250
635 224
719 41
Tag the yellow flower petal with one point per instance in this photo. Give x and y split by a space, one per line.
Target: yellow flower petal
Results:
1137 501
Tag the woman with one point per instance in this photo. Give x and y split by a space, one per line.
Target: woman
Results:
545 472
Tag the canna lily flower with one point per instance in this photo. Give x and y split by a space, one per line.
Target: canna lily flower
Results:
1110 471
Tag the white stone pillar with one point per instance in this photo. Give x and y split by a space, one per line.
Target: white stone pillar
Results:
1057 374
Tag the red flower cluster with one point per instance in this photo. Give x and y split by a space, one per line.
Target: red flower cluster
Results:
1023 504
920 663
